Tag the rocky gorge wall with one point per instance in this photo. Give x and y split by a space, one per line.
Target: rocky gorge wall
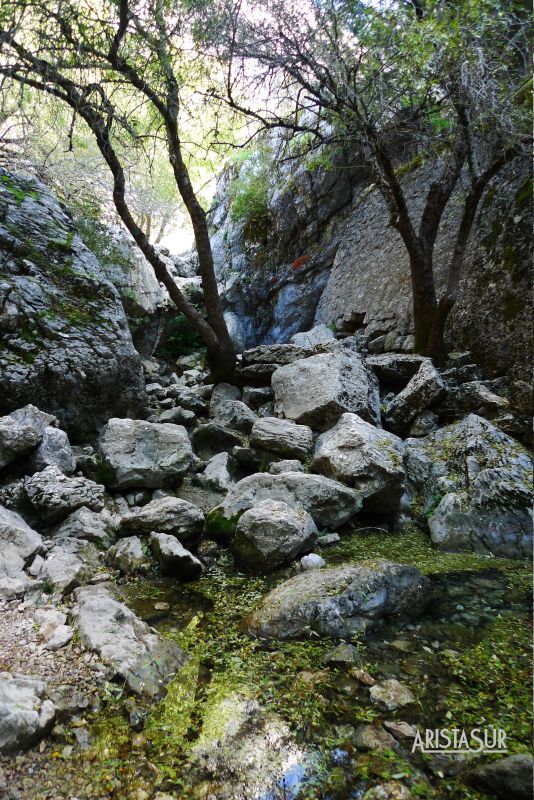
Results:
64 338
324 251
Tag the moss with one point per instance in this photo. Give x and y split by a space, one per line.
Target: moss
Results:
16 190
524 194
410 166
219 526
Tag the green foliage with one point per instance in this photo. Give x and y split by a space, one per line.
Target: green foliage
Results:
249 194
180 340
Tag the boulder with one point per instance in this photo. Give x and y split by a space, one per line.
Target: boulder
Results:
54 451
473 397
259 363
282 437
395 369
340 601
218 474
68 564
329 503
474 483
228 410
315 391
18 545
310 339
93 526
54 495
422 391
25 713
271 534
212 438
173 558
255 397
286 465
509 778
127 556
366 458
136 453
136 655
391 694
166 515
21 431
66 344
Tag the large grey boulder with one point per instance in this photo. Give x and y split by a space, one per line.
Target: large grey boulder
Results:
68 564
93 526
136 453
54 495
65 341
272 534
166 515
474 483
227 408
21 431
422 391
508 778
282 437
364 457
310 339
173 558
25 713
329 503
315 391
54 451
136 655
340 601
127 556
395 369
18 545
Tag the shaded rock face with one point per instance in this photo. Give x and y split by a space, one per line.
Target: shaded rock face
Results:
364 457
271 534
474 482
143 454
64 339
173 558
127 645
340 601
508 778
315 391
493 309
329 503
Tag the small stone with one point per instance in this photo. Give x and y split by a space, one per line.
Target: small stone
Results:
400 730
312 561
391 694
60 638
328 539
341 655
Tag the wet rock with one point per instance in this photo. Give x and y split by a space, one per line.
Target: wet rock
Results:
173 558
286 465
127 645
395 369
423 390
315 391
218 474
373 737
391 790
245 751
342 655
166 515
212 438
317 335
475 484
271 534
391 694
340 601
282 437
21 431
364 457
509 778
54 451
54 495
93 526
143 454
127 556
329 503
25 713
312 561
